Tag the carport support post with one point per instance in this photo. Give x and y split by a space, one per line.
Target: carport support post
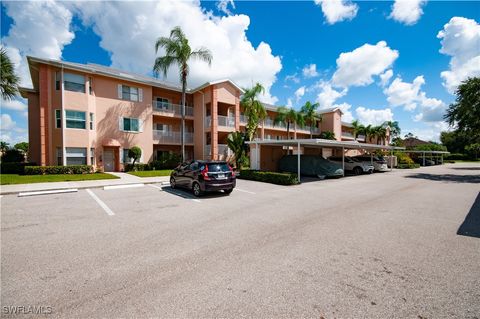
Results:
391 160
371 158
298 161
423 158
343 160
442 157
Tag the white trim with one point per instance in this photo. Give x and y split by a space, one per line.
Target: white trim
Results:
64 120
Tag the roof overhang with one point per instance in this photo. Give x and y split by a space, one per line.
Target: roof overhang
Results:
24 91
318 142
429 152
207 84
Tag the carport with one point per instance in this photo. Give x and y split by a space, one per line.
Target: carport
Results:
313 143
431 153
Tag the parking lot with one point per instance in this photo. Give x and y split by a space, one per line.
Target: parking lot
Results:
397 244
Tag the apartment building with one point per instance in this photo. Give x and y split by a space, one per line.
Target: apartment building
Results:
92 114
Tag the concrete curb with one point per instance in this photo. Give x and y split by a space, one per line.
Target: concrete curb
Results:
83 187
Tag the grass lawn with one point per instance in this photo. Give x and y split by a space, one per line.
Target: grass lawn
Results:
8 179
162 172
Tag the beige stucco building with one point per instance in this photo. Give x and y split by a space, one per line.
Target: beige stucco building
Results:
92 114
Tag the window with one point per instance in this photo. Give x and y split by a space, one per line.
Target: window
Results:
91 121
57 80
75 119
58 118
59 156
125 157
74 82
92 156
162 103
90 90
76 155
129 93
131 125
163 127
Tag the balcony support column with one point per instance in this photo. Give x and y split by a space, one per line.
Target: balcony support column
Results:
214 124
237 112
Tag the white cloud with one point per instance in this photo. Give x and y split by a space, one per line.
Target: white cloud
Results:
460 40
292 77
289 102
403 93
234 56
10 132
431 132
359 66
337 10
222 5
347 114
373 116
310 71
327 96
15 105
385 77
299 93
43 35
6 123
407 11
432 110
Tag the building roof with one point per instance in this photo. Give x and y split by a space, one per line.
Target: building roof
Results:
318 142
93 68
413 141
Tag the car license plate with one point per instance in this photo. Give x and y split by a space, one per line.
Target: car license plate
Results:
221 176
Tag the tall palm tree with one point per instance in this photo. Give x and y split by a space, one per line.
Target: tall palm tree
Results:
8 80
236 142
380 133
394 128
357 128
178 52
368 131
310 115
289 117
253 109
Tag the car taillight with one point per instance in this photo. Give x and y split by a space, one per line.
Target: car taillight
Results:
231 170
204 173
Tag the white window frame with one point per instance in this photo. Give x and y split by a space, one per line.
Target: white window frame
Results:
128 95
77 120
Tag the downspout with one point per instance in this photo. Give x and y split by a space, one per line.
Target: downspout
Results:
64 151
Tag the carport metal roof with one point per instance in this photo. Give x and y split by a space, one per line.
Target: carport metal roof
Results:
429 152
318 142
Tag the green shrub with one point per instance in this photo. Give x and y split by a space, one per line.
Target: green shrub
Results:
403 158
456 156
13 156
166 161
407 166
51 170
14 168
135 153
137 167
269 177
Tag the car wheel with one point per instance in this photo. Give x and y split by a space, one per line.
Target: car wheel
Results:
357 170
228 191
197 191
173 183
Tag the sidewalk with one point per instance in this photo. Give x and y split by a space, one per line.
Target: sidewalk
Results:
124 180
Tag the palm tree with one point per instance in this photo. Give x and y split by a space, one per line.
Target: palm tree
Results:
327 135
4 146
357 128
236 142
394 128
310 115
380 133
289 116
178 52
368 132
253 109
9 81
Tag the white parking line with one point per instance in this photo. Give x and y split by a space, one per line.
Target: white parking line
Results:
155 186
244 191
99 202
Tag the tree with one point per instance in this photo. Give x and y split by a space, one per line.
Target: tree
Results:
410 135
22 146
473 150
310 115
380 132
457 141
327 135
464 114
4 146
13 156
394 128
289 116
253 109
357 128
236 142
9 81
178 52
135 153
369 132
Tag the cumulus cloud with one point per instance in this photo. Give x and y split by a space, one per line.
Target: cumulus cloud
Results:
460 40
347 114
407 11
289 102
405 94
299 93
6 123
310 71
337 10
432 110
373 116
43 35
223 5
292 77
116 21
328 95
431 132
15 105
356 68
385 77
9 130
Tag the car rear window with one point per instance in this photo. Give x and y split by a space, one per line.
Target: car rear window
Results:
218 167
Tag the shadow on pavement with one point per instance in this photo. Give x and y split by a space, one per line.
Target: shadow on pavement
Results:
447 177
185 193
471 224
466 168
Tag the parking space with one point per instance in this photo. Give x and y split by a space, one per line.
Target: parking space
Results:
380 245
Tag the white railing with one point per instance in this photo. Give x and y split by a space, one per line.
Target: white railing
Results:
270 123
224 152
347 134
360 137
172 137
227 121
306 129
208 149
243 118
171 108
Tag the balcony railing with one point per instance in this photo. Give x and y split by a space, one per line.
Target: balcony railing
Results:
347 134
172 137
224 152
361 138
243 118
174 109
306 129
227 121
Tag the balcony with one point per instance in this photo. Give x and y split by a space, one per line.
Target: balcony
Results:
223 151
225 121
361 138
347 135
269 124
173 109
243 119
171 137
306 129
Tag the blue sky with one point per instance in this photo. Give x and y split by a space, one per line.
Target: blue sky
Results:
273 42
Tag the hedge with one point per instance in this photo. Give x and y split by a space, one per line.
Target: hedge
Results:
269 177
50 170
408 166
456 156
14 168
137 167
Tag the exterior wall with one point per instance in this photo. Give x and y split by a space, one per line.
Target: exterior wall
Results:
34 143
